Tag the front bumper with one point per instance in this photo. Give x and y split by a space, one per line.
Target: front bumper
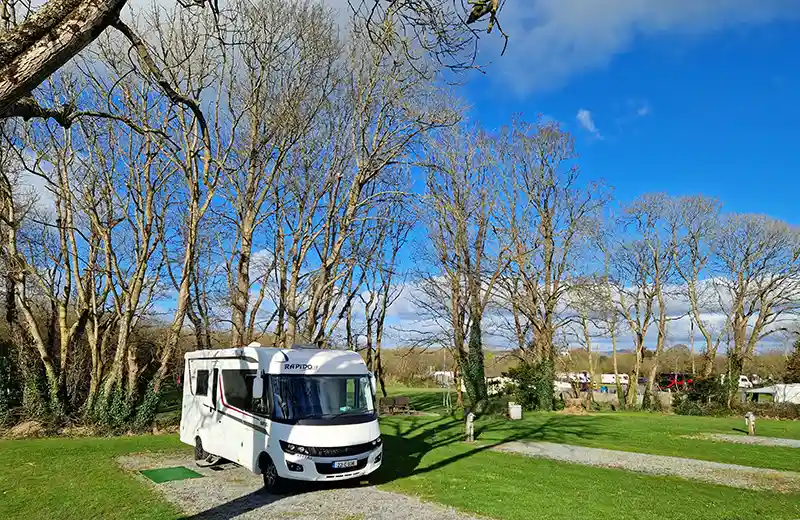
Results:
321 468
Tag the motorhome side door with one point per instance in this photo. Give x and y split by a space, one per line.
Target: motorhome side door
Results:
209 425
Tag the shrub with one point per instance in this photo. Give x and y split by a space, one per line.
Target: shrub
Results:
708 397
792 374
497 406
533 385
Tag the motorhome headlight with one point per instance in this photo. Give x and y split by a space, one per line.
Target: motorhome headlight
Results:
377 442
294 448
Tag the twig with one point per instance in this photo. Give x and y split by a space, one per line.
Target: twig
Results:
176 97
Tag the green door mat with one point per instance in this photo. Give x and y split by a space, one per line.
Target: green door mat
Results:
162 475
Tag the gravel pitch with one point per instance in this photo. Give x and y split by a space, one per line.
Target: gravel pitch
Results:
712 472
234 492
746 439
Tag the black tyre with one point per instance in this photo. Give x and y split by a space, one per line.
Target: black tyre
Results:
273 483
199 453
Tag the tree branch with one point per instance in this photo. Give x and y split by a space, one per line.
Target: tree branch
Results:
176 97
28 108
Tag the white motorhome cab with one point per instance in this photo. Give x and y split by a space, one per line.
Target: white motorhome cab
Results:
302 414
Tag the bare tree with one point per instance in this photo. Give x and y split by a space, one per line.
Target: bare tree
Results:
462 202
694 223
643 270
283 70
585 300
383 284
378 113
757 267
549 215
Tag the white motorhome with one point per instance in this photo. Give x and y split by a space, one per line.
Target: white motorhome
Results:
744 381
302 414
611 379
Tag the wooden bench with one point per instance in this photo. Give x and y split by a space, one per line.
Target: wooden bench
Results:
386 405
402 405
394 405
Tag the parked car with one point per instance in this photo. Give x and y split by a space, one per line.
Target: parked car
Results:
674 381
744 381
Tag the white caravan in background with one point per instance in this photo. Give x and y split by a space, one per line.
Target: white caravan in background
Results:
302 414
611 379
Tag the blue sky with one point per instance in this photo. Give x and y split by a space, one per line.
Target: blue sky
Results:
685 97
711 110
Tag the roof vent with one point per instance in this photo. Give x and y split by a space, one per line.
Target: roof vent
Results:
305 346
254 344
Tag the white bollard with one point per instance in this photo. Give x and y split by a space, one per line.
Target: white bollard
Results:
470 427
750 421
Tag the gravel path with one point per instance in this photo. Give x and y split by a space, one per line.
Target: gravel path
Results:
712 472
746 439
234 492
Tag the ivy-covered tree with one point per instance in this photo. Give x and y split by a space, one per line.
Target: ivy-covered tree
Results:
792 374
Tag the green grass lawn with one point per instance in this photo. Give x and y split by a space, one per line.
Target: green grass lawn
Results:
78 478
426 458
652 433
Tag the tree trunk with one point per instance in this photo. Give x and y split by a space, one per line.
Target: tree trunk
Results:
116 373
240 296
632 396
592 369
622 397
476 374
56 33
457 377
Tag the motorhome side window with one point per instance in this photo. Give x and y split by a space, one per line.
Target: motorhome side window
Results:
237 388
202 382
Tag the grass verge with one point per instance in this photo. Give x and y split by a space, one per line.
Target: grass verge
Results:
426 458
78 479
652 433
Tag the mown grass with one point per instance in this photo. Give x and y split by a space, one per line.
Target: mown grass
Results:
426 458
79 478
653 433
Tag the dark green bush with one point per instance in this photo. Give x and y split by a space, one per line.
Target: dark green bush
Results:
533 385
497 406
708 397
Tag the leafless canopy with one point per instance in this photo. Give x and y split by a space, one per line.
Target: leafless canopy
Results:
442 29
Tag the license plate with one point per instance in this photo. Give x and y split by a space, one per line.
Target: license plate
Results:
345 464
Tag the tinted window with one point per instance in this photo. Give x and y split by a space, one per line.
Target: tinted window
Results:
202 382
238 391
321 397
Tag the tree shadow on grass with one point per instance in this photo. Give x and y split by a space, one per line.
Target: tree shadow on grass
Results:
405 449
409 442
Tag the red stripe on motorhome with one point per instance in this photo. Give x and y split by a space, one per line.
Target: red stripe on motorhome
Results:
226 405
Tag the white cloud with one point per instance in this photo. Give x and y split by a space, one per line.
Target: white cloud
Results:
643 111
586 120
551 41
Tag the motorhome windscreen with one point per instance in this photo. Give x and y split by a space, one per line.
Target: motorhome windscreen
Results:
298 398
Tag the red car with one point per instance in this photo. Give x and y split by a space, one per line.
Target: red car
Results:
674 381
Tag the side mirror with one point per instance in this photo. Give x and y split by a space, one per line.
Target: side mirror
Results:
373 383
258 387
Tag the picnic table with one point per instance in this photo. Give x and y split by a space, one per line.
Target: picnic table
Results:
394 405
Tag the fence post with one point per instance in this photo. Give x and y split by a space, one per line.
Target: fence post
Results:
750 421
470 427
